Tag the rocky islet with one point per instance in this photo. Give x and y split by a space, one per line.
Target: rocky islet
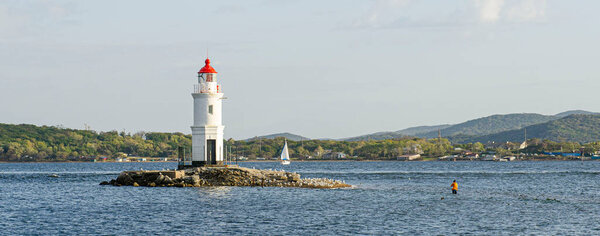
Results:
221 176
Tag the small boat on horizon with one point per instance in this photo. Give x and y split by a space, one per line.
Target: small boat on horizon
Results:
285 156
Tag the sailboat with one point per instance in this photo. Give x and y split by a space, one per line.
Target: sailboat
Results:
285 156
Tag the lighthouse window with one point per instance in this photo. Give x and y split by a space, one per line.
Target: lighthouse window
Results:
209 78
210 109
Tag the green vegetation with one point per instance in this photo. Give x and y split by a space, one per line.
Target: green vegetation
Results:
491 124
33 143
320 149
540 146
288 136
470 130
413 131
573 128
575 112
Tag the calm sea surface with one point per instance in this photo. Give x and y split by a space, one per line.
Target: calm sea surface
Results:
389 198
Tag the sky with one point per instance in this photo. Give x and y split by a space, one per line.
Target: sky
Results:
321 69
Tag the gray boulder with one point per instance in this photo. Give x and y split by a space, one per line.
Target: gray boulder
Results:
125 179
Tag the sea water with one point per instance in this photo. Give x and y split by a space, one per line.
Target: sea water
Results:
388 198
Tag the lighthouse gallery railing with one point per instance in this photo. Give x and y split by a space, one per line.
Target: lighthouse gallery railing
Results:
206 88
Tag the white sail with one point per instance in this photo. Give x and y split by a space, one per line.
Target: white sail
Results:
285 156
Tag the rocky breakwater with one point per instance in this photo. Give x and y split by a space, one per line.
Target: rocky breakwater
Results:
221 176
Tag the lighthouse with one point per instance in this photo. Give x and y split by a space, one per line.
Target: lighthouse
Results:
207 130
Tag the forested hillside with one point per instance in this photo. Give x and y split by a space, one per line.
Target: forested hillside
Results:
397 134
422 129
45 143
573 128
491 124
473 128
288 136
575 112
52 143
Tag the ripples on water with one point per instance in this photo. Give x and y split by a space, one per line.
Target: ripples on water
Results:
389 198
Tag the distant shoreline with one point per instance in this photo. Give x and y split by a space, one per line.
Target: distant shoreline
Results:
258 161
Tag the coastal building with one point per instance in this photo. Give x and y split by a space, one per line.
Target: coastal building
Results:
488 157
415 148
472 156
523 145
408 157
334 155
207 130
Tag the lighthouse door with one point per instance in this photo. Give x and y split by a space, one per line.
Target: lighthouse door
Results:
211 152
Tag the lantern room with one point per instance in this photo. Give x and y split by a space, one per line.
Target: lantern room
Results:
207 80
207 73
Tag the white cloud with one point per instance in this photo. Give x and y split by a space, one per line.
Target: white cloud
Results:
229 9
57 11
382 12
527 10
397 14
489 10
20 20
11 22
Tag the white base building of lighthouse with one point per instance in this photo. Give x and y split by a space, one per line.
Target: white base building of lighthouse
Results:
207 130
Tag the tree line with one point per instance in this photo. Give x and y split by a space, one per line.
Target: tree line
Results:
29 142
48 143
318 149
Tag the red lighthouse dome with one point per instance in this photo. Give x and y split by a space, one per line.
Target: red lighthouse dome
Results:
207 68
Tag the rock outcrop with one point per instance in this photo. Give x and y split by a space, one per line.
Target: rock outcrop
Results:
221 176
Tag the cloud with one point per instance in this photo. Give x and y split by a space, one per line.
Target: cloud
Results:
381 13
57 11
489 10
229 9
385 14
527 10
11 22
19 20
515 11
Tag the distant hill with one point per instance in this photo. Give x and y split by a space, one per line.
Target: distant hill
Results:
397 134
575 112
491 124
573 128
288 136
375 136
472 129
422 129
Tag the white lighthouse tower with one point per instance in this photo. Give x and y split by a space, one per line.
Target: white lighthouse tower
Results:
207 131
